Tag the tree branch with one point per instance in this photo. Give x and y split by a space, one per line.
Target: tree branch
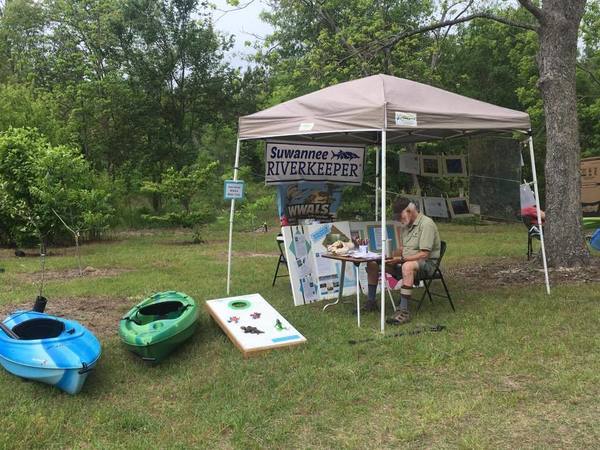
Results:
529 6
447 23
436 25
333 26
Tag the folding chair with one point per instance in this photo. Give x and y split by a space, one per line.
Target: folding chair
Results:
281 259
436 275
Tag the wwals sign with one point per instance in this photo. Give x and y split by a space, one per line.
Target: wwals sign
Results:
335 163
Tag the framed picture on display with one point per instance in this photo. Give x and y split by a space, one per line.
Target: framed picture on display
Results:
435 207
459 207
430 166
454 166
409 163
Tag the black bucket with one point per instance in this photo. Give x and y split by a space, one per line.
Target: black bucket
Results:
40 304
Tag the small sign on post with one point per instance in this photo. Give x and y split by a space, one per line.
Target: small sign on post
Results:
234 190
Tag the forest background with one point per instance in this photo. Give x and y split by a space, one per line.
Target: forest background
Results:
123 113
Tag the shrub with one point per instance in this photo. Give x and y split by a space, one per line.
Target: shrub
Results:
38 182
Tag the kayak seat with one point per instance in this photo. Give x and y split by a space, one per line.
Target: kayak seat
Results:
39 329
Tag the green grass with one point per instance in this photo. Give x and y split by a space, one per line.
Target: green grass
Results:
514 368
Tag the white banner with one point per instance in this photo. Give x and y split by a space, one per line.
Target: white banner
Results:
336 163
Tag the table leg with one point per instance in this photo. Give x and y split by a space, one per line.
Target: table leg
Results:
342 276
357 266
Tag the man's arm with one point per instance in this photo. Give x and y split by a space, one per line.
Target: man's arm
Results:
422 254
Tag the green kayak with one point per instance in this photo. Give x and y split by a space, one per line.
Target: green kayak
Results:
159 324
591 222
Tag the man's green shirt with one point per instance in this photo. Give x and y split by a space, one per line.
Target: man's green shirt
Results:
421 235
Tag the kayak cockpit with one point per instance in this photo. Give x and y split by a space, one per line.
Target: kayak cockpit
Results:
167 310
39 328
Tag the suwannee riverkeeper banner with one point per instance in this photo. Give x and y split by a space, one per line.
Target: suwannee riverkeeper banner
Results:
335 163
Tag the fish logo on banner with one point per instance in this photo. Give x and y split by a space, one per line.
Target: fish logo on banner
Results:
334 163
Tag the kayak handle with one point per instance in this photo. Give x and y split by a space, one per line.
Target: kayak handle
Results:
85 369
10 333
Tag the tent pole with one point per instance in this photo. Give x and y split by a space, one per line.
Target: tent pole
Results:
231 212
539 214
377 183
383 226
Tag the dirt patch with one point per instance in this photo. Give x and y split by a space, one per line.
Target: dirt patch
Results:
100 314
516 271
68 274
256 255
223 255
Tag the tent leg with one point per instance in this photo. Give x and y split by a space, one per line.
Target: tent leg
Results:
376 184
231 213
383 226
539 215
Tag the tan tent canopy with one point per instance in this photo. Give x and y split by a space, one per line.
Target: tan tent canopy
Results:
357 111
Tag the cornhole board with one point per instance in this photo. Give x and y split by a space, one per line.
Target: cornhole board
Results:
243 316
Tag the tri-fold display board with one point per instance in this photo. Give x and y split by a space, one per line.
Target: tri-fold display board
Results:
314 278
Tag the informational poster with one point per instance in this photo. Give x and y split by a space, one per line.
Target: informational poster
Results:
303 200
329 270
312 277
303 276
287 162
252 323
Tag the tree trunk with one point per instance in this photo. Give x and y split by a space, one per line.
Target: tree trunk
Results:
558 30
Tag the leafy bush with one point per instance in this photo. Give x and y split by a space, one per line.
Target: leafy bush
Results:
188 191
39 182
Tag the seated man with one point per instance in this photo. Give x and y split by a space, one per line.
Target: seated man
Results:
420 245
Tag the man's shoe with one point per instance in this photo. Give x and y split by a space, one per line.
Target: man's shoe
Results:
400 317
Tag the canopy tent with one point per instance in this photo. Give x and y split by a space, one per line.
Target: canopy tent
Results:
381 109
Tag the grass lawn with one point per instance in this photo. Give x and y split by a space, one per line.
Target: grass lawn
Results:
514 368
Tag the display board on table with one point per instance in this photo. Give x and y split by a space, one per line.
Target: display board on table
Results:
252 324
312 277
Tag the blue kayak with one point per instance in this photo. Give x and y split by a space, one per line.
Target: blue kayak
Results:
49 349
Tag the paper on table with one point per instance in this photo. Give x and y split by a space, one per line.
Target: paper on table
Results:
357 254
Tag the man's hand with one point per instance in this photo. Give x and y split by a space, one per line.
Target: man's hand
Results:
395 260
